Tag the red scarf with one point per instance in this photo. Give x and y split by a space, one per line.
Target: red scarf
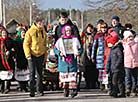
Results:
98 35
4 57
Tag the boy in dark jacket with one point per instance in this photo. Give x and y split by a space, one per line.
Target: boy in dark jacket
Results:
115 67
64 20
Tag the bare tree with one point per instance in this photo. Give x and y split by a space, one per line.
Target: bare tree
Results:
127 10
104 3
19 10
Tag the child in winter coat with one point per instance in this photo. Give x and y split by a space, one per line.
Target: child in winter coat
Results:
130 62
115 67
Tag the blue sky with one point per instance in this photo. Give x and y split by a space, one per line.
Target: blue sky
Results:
76 4
66 4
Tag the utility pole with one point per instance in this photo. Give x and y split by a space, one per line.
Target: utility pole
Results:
4 14
32 4
70 15
1 11
49 17
82 13
30 13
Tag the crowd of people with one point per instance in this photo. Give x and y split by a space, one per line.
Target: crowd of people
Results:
106 56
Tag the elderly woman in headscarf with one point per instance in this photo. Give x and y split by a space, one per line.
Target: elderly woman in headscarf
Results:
68 49
6 60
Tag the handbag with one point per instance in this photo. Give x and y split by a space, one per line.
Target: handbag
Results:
6 75
22 75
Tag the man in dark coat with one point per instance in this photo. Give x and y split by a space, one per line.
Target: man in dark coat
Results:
64 20
117 27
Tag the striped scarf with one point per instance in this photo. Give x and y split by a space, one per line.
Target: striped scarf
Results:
4 57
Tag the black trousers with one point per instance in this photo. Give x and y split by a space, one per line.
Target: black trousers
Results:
91 76
36 68
79 77
5 85
118 82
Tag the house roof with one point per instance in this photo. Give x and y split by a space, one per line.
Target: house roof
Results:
11 26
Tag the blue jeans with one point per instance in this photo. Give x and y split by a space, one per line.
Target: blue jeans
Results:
36 67
131 78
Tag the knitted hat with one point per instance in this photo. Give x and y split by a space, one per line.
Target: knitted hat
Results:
114 39
65 28
127 34
100 21
116 18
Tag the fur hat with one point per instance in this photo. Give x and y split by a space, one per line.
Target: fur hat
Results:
114 39
127 34
116 18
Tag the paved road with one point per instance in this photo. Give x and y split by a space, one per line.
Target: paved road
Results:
57 96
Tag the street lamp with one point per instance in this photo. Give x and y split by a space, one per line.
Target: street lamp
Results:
31 6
